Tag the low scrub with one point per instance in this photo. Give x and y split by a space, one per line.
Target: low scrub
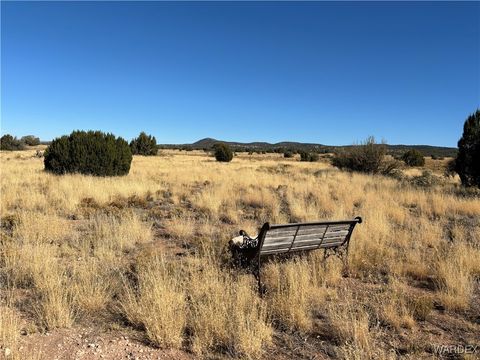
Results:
413 158
368 157
90 153
223 152
307 156
10 143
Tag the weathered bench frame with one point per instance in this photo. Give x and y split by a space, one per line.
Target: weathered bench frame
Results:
332 236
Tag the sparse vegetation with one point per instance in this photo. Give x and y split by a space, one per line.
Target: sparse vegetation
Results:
307 156
368 157
91 153
144 253
413 158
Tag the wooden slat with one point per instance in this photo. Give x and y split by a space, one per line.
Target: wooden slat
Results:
339 222
333 239
277 246
308 229
278 240
336 233
338 227
307 242
309 237
282 231
276 251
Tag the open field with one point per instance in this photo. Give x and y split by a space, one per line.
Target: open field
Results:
136 266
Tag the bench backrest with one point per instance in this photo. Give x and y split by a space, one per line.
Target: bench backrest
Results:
279 239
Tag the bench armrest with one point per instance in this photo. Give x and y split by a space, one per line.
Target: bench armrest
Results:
248 241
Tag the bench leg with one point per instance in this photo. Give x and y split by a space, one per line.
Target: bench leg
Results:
346 269
257 274
341 253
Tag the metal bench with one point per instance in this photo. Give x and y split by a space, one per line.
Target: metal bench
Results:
331 236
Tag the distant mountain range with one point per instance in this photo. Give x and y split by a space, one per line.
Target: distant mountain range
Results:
207 143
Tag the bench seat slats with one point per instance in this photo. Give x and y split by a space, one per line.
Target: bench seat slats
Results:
271 240
276 246
290 238
275 240
284 238
282 232
336 233
333 241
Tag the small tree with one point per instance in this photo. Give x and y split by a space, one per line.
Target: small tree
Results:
467 163
223 152
30 140
288 154
91 153
10 143
413 158
144 145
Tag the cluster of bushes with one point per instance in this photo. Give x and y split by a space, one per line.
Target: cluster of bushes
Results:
427 179
413 158
11 143
368 157
91 153
144 145
30 140
308 156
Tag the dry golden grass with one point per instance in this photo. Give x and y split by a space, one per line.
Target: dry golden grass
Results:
157 303
9 327
77 247
226 313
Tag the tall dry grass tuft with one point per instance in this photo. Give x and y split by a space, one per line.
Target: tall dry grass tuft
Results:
181 228
455 271
157 303
37 228
55 306
92 285
351 326
293 293
9 328
110 233
226 315
393 307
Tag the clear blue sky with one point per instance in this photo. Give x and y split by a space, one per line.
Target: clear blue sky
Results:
330 73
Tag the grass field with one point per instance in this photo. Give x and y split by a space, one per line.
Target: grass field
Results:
145 254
